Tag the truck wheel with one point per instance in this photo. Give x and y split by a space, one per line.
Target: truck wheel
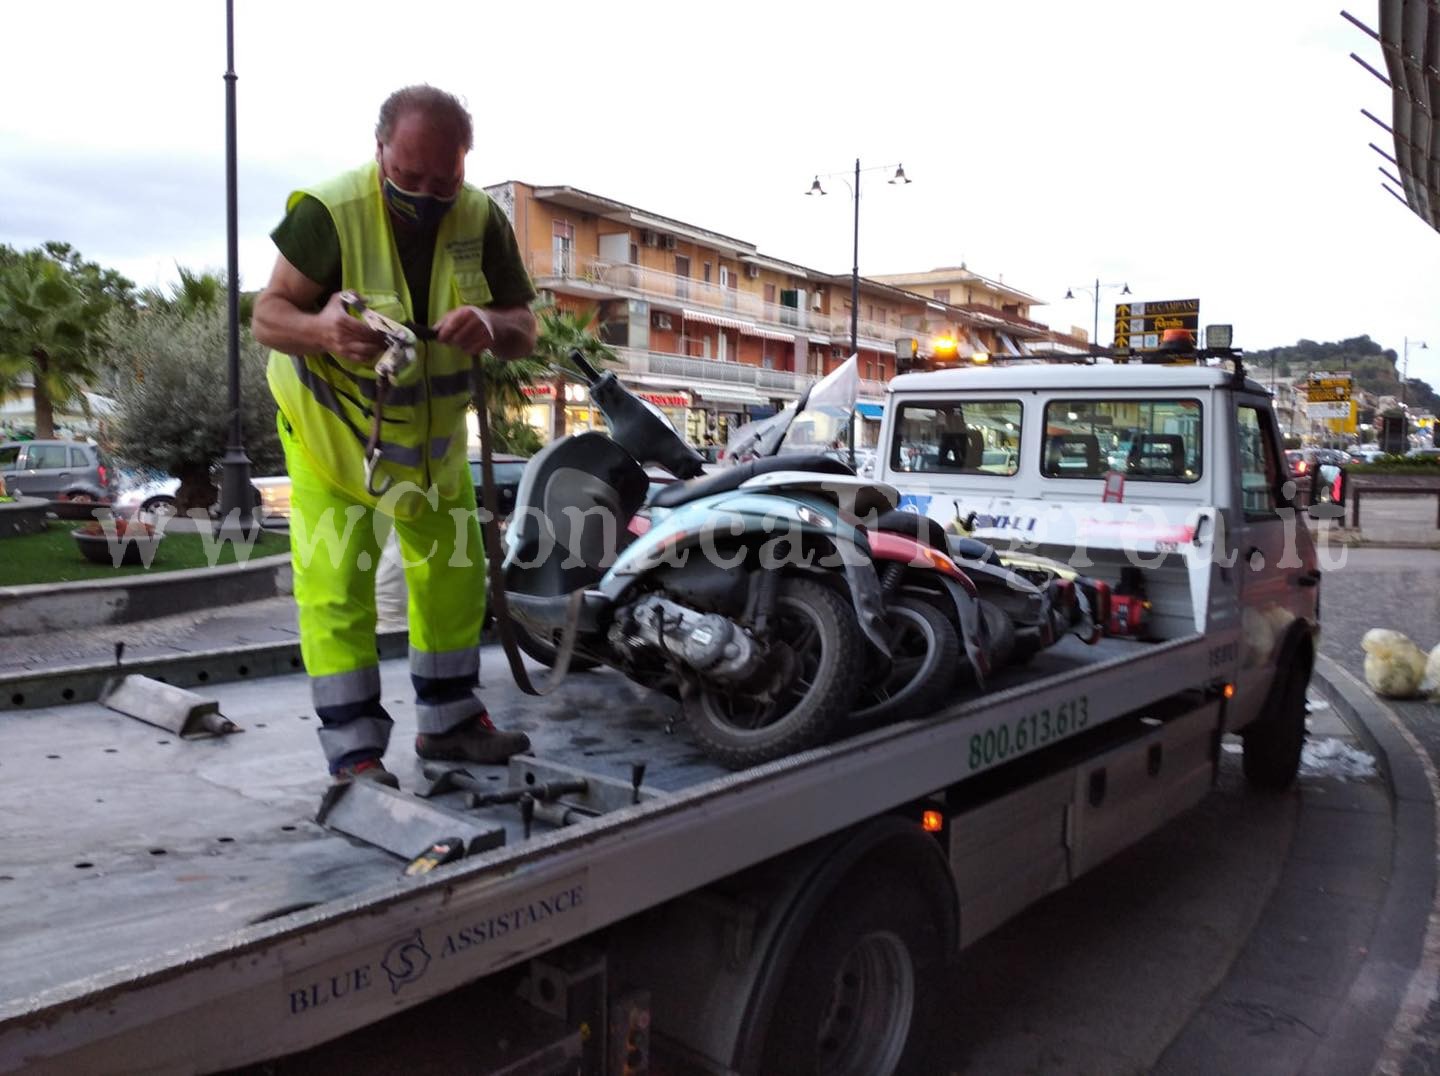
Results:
854 999
926 652
816 660
1272 745
546 650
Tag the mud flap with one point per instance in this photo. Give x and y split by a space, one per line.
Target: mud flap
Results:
865 593
972 628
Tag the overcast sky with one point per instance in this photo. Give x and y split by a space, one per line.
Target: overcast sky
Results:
1212 150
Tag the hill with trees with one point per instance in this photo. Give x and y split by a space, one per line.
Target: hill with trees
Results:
1375 368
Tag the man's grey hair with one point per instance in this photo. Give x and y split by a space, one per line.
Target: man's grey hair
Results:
440 107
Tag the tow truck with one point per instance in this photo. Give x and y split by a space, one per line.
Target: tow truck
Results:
176 903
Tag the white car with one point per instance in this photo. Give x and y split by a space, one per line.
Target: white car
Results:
157 498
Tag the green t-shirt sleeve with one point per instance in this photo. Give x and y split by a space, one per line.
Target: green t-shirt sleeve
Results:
308 240
510 284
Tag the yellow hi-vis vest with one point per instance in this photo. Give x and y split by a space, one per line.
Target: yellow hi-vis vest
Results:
328 402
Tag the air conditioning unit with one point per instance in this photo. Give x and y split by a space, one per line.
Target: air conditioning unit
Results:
667 242
662 321
649 238
752 271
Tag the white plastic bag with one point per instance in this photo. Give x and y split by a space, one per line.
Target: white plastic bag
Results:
1431 683
1394 665
391 595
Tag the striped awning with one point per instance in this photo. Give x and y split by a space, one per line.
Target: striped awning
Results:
770 334
717 319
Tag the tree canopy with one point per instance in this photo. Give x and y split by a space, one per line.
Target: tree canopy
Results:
1375 368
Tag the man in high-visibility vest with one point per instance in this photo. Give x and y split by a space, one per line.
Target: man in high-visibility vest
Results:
407 234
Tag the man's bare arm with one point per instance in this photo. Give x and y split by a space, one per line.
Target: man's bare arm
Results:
287 319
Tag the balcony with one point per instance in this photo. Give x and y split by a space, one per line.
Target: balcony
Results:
695 373
588 274
985 313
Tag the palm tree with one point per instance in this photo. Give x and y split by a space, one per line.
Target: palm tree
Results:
564 331
195 293
50 328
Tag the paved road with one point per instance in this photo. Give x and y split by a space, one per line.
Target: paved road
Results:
1397 589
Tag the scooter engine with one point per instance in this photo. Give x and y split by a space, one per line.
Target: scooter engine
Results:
706 642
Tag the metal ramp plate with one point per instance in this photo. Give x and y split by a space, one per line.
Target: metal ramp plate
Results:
398 822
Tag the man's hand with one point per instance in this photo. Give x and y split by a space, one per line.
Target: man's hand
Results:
348 337
468 328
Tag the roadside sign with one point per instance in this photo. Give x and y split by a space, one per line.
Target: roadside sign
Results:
1327 396
1141 326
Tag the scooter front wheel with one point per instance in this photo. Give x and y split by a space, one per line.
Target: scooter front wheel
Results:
816 656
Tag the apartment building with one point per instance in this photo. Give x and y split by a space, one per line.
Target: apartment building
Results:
717 333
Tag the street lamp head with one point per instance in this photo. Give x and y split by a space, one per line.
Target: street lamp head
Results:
815 187
900 176
1069 293
1126 290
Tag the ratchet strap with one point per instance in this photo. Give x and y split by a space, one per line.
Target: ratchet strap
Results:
491 530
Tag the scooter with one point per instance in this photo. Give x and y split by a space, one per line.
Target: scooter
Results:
752 597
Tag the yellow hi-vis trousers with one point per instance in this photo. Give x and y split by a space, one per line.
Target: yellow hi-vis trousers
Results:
335 545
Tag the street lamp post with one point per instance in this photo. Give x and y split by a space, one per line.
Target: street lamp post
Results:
1095 290
815 188
1405 367
235 473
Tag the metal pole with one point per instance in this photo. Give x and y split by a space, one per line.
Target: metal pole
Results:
855 301
1095 329
1405 376
235 480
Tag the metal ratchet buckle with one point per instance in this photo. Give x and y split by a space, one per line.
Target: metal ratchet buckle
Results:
399 355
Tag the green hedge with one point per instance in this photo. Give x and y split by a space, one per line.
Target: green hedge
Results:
1397 465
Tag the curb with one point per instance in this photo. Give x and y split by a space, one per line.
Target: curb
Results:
1378 1012
83 683
42 607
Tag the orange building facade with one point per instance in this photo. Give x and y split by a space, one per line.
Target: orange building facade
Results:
717 333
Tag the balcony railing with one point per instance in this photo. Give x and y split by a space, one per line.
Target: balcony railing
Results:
548 268
693 372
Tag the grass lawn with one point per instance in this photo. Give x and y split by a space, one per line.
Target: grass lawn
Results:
53 557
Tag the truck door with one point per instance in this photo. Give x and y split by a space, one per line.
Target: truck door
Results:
1268 562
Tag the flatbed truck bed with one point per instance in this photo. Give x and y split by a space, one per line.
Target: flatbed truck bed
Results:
173 904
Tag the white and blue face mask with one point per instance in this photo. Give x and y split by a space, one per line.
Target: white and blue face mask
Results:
413 207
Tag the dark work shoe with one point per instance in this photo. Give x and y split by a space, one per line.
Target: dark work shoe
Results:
477 740
370 769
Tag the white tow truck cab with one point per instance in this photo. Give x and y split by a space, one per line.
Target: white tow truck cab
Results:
779 919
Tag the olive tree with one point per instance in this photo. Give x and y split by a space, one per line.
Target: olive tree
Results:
173 398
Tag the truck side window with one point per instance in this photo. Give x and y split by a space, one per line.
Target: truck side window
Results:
958 437
1259 467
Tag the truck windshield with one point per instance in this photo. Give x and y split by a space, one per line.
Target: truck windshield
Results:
955 437
1145 440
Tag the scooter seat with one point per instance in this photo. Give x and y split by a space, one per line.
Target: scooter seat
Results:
678 493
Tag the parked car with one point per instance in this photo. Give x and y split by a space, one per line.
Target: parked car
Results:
1423 454
157 498
507 471
57 470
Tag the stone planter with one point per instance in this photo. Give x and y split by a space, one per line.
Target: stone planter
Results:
138 544
24 515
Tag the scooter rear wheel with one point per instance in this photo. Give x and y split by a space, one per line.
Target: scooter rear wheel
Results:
817 651
925 653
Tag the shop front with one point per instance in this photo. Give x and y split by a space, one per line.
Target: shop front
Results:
718 412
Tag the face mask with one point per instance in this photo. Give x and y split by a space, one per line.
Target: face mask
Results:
421 210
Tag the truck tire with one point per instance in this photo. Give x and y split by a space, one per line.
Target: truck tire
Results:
926 653
740 726
856 998
1272 745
